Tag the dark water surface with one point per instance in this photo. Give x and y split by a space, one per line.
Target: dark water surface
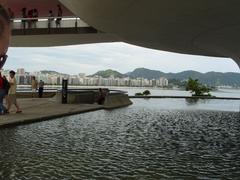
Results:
143 141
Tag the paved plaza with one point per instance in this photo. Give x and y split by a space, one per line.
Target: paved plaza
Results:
43 109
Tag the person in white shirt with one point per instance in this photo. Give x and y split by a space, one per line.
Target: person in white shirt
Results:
12 92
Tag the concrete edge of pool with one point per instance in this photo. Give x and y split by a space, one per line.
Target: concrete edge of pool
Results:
184 97
36 110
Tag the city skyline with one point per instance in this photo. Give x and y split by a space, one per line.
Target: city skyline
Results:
122 57
25 78
138 78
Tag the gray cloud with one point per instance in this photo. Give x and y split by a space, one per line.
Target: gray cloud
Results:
90 58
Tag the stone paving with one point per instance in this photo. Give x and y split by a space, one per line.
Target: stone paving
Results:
43 109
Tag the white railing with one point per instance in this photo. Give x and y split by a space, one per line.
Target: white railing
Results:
47 22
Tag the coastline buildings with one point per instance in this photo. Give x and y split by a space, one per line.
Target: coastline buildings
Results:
54 78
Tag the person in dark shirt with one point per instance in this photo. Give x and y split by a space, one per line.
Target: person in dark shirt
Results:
24 15
59 16
40 89
11 13
101 96
35 15
50 19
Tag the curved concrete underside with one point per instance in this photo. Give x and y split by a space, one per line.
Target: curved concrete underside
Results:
202 27
60 39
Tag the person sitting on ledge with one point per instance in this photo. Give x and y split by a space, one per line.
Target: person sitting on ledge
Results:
101 96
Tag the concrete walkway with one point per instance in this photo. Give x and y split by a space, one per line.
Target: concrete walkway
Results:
43 109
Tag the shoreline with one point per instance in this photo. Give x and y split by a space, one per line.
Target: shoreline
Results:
184 97
50 94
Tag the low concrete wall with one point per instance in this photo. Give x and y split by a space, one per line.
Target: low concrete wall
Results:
82 97
112 100
116 100
35 95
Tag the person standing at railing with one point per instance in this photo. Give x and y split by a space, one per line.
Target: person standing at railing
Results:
35 15
24 15
11 14
59 16
30 21
50 19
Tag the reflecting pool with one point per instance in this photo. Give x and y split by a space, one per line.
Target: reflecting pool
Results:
148 140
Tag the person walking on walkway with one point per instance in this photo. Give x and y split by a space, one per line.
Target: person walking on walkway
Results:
12 92
40 89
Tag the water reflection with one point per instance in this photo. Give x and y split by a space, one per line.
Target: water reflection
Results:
191 101
138 142
182 104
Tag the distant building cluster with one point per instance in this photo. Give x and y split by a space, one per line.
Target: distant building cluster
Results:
24 78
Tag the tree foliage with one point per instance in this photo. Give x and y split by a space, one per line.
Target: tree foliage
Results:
197 88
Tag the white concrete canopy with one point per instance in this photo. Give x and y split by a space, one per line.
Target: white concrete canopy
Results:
200 27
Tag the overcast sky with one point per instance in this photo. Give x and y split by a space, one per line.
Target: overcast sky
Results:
90 58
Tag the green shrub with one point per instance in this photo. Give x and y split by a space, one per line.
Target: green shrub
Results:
146 93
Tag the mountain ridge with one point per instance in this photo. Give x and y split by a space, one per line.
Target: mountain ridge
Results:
209 78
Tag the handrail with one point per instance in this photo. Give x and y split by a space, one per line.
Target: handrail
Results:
47 23
46 18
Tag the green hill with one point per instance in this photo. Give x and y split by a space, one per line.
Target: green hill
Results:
52 72
210 78
108 73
